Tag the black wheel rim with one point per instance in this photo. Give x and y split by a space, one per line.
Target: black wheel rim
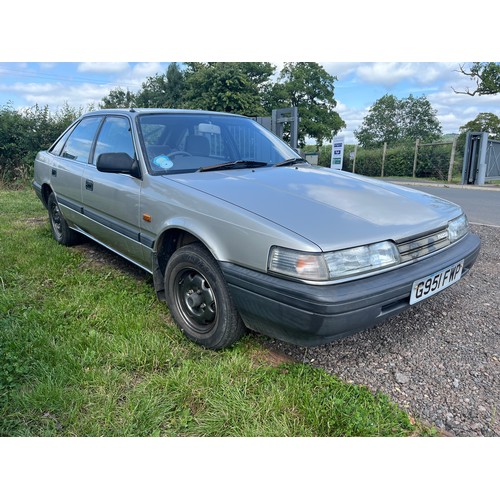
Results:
195 300
56 219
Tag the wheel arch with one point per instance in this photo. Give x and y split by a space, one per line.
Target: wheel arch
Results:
166 244
46 190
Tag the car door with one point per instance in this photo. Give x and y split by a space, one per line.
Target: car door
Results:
71 155
112 200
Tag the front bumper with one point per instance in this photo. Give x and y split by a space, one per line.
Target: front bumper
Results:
311 315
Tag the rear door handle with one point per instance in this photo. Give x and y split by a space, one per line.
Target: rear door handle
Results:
89 185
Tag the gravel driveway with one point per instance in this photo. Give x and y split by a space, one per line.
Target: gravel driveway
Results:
440 360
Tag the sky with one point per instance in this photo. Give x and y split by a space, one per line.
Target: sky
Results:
358 86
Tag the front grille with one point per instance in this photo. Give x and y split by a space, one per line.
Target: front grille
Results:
423 245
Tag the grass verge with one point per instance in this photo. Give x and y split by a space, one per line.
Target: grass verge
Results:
87 350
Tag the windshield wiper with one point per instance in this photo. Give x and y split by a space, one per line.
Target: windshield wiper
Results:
290 161
231 164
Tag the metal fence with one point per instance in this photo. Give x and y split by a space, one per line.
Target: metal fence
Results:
438 160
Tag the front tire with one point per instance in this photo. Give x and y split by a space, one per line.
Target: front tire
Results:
199 300
61 232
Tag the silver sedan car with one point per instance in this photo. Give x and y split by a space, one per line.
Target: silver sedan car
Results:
239 232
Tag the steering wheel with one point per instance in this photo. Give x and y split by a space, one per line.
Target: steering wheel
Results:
175 153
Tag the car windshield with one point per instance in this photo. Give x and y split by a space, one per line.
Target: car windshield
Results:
188 142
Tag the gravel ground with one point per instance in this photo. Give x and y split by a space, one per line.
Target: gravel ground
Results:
440 360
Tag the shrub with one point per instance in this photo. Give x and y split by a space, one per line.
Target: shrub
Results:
25 132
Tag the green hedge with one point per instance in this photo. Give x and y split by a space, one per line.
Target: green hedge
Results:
432 161
25 132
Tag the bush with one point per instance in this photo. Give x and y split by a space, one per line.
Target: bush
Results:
24 133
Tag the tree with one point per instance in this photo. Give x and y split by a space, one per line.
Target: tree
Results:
484 122
381 124
118 98
486 77
227 86
163 91
309 87
394 120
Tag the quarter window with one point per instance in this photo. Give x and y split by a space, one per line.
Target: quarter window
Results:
79 144
59 144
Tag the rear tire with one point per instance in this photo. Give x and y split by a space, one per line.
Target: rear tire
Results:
61 232
199 300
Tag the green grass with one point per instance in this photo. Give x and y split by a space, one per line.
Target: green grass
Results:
86 349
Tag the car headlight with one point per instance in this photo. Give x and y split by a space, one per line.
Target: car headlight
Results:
457 228
333 265
302 265
364 259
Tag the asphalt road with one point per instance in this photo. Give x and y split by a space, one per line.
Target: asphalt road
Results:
482 206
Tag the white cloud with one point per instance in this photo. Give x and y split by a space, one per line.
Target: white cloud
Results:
47 65
385 73
392 73
37 88
103 67
145 69
56 95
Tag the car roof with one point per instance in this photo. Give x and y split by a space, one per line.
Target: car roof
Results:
138 111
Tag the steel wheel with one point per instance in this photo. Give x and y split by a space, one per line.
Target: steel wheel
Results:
199 300
60 230
196 300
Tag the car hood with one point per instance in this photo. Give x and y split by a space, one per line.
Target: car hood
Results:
331 208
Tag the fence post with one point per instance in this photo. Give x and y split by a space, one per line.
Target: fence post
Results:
354 159
415 158
452 159
383 158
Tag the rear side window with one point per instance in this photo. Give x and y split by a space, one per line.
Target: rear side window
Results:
115 137
80 141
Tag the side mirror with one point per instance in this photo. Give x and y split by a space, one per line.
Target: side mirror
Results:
118 163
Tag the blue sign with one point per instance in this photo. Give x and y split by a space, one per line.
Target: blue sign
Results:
337 152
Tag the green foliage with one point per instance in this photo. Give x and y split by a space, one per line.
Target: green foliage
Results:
484 122
25 132
162 91
392 120
118 98
486 77
309 87
227 86
14 366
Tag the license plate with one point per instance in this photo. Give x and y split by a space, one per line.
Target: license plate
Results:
434 283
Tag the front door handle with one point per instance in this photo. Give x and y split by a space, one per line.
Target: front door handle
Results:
89 185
